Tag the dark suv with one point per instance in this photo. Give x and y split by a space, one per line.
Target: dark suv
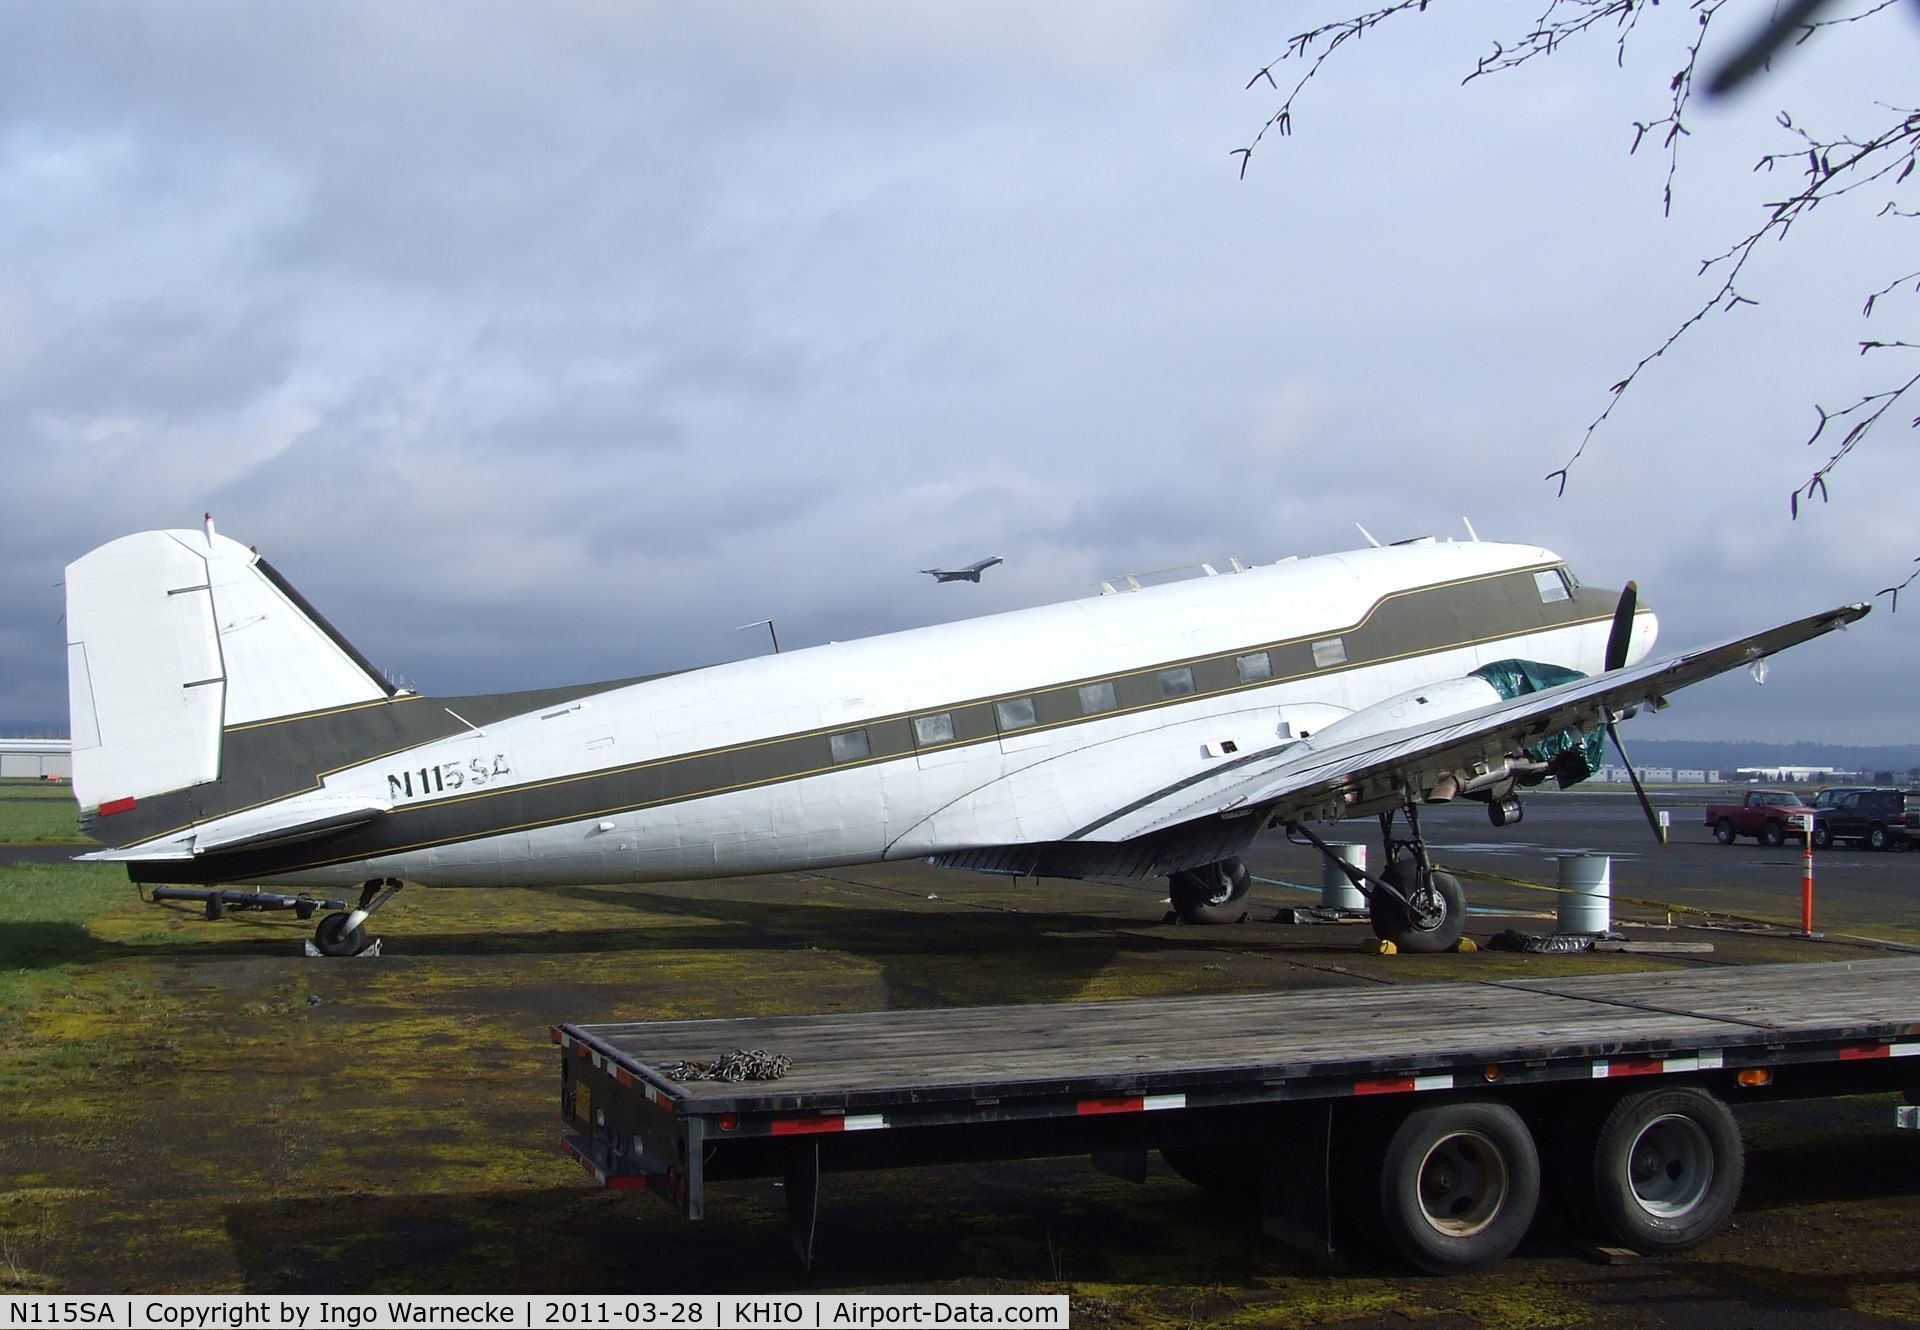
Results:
1877 818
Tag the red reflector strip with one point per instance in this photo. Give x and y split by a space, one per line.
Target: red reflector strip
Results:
112 806
1390 1085
627 1182
1863 1053
1630 1067
554 1035
1403 1084
622 1075
814 1126
1151 1103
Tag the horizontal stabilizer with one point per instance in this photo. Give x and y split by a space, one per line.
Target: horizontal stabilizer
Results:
286 823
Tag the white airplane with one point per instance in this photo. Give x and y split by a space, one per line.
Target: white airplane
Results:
971 573
224 733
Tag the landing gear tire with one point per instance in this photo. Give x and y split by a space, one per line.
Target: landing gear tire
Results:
1773 833
1435 929
1723 831
1505 812
1822 835
1667 1168
1459 1184
334 938
1212 893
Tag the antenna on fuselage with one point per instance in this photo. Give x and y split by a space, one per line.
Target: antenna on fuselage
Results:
1472 535
1369 535
772 632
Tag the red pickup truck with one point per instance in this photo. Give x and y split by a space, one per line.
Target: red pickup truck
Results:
1764 814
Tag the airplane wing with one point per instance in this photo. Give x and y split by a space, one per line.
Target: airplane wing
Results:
1300 780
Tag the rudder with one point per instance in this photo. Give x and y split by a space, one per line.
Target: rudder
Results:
175 636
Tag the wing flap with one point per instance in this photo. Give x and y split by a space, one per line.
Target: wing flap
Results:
1298 780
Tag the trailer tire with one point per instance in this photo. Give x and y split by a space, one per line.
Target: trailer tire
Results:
1723 831
1211 893
1459 1183
334 938
1667 1168
1392 920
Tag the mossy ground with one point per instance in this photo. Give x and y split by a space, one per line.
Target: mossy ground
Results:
195 1106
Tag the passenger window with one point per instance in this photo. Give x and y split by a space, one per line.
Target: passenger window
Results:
1552 586
1176 682
1254 666
849 746
1016 713
934 729
1330 651
1096 697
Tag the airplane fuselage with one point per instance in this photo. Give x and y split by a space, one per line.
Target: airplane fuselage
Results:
1014 728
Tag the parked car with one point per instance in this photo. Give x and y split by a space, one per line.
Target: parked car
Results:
1880 819
1766 815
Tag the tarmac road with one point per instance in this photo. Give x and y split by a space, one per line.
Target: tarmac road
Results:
196 1107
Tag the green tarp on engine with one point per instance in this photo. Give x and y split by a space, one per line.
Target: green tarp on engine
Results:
1517 678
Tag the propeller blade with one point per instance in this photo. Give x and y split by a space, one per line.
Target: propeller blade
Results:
1646 805
1620 636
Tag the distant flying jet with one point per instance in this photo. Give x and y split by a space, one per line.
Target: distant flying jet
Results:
971 573
225 733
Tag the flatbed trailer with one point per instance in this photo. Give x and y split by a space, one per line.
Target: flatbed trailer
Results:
1426 1113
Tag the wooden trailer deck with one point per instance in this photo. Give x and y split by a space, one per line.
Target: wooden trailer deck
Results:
928 1057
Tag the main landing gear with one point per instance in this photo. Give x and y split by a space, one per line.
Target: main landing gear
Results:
1411 903
345 934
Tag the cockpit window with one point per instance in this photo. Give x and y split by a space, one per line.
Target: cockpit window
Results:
1552 583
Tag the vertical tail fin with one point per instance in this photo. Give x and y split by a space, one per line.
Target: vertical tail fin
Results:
174 636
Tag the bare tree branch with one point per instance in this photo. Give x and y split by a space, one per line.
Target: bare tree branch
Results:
1830 168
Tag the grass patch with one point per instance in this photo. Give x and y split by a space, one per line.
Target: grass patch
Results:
39 813
44 912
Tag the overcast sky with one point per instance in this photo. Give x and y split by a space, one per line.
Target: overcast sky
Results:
542 342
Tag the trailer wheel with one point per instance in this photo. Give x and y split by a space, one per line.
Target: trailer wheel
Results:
1773 833
1419 933
1458 1185
334 938
1667 1167
1723 831
1212 893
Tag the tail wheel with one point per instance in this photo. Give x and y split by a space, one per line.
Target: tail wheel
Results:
334 938
1212 893
1434 920
1667 1167
1723 831
1459 1184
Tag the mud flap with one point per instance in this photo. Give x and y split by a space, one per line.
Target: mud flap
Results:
802 1177
1296 1183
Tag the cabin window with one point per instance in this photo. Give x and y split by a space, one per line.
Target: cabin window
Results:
1329 651
849 745
934 729
1097 697
1016 713
1177 682
1552 584
1254 666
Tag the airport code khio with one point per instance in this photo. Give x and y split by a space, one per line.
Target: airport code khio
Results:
697 1312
